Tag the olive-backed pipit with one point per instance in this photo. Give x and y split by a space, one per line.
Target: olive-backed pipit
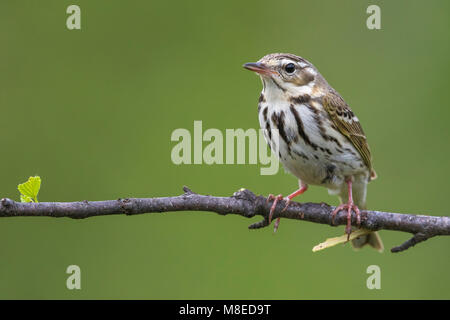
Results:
320 140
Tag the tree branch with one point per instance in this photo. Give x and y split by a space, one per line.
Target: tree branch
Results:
244 203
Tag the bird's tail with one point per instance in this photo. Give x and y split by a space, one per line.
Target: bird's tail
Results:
372 239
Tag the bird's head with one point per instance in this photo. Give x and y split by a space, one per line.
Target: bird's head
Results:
284 73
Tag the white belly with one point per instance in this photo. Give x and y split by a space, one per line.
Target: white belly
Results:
304 152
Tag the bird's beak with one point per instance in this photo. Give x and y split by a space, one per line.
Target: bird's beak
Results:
259 68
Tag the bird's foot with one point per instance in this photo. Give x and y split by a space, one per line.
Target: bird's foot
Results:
303 188
349 207
275 200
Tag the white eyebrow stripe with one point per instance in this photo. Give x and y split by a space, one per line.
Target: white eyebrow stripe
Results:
302 64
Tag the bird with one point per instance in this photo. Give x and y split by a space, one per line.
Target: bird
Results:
315 135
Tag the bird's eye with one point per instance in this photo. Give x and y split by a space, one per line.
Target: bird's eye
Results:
289 68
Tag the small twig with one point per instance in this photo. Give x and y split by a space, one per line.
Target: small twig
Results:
244 203
418 237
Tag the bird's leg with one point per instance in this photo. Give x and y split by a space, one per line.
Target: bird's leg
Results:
349 207
302 189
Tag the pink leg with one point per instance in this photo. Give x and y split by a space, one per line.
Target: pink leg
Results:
302 189
349 207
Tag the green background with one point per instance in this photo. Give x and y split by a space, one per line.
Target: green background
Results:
91 111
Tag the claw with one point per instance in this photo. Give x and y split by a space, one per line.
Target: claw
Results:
303 188
274 205
349 207
275 225
288 202
358 215
272 210
277 222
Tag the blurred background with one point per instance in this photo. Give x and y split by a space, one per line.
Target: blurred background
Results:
92 111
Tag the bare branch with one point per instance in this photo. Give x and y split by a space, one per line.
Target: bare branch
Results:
244 203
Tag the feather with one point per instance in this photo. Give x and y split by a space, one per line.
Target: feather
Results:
348 124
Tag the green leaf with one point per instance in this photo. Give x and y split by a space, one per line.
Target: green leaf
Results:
30 189
25 198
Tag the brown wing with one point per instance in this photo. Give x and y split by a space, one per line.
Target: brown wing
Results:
348 124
